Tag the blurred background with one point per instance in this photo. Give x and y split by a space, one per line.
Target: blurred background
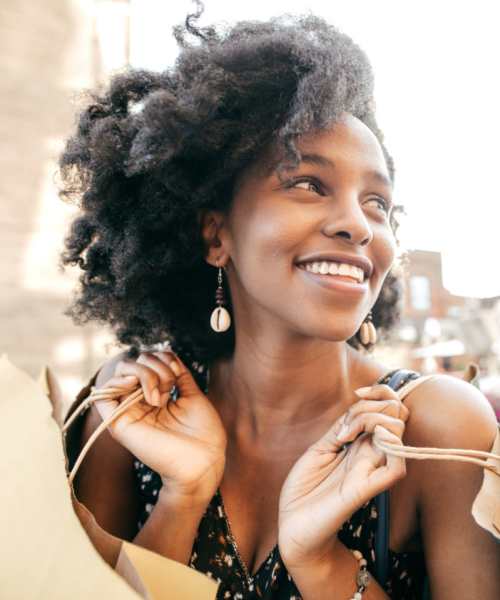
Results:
437 93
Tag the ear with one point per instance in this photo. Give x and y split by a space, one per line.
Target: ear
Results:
214 236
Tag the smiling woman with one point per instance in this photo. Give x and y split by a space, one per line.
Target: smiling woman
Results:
238 209
201 127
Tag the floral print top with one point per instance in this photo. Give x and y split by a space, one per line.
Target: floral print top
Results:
215 552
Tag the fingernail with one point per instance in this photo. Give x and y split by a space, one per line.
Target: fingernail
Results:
362 390
155 397
164 398
175 368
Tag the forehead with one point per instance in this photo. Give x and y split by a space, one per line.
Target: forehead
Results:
347 142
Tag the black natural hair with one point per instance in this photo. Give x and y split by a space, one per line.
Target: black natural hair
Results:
153 149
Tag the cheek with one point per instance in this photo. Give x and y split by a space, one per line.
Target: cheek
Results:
386 250
268 234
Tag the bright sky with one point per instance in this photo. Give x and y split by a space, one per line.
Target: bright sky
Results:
437 93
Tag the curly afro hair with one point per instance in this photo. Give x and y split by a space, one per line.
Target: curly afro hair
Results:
153 149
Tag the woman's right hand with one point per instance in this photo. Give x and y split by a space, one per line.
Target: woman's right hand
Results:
184 441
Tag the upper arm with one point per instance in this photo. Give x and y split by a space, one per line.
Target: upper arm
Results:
462 558
105 481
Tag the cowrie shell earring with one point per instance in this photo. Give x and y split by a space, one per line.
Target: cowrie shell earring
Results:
367 331
221 319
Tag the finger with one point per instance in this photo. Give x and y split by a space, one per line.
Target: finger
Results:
393 408
366 422
382 392
148 378
330 441
394 467
165 374
383 434
185 382
169 358
106 407
379 391
127 382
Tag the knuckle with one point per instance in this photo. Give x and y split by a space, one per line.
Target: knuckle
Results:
164 355
388 391
144 370
166 382
394 404
400 427
391 408
357 421
146 360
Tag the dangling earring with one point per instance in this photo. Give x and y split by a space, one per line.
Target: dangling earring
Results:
220 320
367 331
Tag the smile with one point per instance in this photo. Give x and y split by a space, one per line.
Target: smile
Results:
341 283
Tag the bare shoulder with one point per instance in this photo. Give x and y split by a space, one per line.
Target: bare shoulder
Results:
106 481
449 412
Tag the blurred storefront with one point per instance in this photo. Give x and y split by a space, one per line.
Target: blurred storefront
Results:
441 332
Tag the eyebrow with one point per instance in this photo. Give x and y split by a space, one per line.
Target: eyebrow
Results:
322 161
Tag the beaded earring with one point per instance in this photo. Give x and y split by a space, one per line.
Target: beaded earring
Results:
367 331
221 319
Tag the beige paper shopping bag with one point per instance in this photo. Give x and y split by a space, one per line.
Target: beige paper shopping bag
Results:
46 549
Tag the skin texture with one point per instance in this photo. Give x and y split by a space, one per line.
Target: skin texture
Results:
293 346
281 400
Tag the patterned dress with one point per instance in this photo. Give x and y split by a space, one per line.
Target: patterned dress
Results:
215 552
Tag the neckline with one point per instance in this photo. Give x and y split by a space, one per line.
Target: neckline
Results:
246 571
249 577
383 378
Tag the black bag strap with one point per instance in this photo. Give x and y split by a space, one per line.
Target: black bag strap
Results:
394 379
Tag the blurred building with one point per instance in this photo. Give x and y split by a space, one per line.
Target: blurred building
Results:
49 52
439 331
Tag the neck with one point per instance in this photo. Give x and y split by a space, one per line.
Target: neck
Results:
278 394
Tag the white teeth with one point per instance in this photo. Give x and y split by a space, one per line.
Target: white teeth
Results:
334 268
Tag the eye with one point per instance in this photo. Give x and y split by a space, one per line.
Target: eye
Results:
309 184
386 206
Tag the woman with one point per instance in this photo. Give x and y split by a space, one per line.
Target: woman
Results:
252 178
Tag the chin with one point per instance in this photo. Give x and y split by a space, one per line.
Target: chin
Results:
331 332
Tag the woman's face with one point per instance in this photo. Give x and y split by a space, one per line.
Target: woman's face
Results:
338 200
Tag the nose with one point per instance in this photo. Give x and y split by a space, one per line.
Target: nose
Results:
347 220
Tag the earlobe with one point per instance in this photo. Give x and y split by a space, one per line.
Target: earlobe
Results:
211 230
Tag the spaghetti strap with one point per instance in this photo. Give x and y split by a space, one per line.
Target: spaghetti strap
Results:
397 379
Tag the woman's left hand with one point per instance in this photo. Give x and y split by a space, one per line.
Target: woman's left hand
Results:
329 482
